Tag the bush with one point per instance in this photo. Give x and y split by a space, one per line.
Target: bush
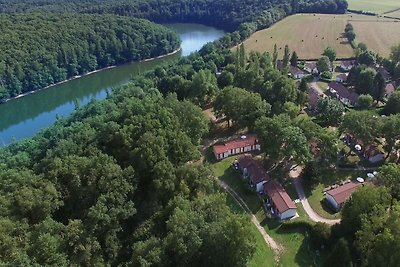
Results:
320 235
327 75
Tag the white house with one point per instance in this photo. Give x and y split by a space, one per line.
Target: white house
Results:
347 65
339 195
278 202
296 73
253 171
311 67
236 146
341 78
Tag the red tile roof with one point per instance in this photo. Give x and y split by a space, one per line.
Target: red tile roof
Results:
343 92
296 71
250 140
343 192
255 171
279 197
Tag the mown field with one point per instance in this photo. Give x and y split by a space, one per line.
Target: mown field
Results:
310 34
376 6
394 14
379 36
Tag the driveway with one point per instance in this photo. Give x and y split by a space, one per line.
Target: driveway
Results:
294 174
314 85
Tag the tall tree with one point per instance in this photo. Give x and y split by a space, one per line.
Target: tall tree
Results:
324 64
286 56
275 56
378 89
330 53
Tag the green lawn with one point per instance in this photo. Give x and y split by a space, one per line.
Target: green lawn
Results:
323 85
376 6
297 251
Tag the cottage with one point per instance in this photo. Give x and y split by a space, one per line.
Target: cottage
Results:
253 171
313 99
343 94
373 154
339 195
347 65
296 73
236 146
385 74
278 202
341 78
311 67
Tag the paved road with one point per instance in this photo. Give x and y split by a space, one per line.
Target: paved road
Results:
277 248
294 174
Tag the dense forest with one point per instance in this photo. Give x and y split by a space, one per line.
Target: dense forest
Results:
42 49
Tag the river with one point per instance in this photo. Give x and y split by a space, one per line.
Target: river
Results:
24 117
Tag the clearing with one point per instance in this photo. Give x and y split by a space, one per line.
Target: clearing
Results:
376 6
310 34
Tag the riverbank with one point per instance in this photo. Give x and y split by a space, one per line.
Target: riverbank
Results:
89 73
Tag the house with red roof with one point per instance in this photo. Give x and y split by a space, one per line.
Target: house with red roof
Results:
296 73
339 195
236 146
313 98
253 171
278 202
390 88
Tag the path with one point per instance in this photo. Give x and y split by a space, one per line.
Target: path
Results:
277 248
294 174
314 85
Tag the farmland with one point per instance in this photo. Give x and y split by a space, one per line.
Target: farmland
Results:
376 6
394 14
379 36
310 34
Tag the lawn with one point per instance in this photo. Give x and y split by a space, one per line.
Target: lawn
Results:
297 251
323 85
379 36
310 34
376 6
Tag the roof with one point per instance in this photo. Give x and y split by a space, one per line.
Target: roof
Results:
279 197
245 160
390 88
313 97
250 140
342 76
384 72
257 173
342 193
311 65
347 63
372 151
295 71
343 92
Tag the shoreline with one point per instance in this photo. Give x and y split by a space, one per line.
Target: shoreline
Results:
87 74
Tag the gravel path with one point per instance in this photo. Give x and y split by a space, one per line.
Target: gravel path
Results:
277 248
294 174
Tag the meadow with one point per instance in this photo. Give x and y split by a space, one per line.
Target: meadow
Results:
376 6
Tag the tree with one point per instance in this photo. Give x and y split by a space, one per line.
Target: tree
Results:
242 56
320 235
324 64
275 56
378 88
311 173
303 86
340 255
365 101
351 36
391 133
286 56
204 86
393 104
349 27
280 91
365 83
329 111
395 53
367 58
363 125
389 177
330 53
294 59
225 79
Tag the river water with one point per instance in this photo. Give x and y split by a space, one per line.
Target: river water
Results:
25 116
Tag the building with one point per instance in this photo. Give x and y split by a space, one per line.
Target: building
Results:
296 73
339 195
347 65
313 99
341 78
253 171
339 91
311 67
373 154
385 74
236 146
278 202
391 87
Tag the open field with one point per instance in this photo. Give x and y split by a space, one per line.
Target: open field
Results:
310 34
394 14
379 36
376 6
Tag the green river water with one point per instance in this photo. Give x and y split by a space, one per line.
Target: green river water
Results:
24 117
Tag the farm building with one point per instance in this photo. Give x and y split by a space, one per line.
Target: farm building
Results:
343 94
236 146
311 67
253 171
339 195
341 78
347 65
278 202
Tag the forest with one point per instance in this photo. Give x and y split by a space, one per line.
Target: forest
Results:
38 50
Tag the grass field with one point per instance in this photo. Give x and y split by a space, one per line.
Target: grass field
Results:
310 34
379 36
394 14
376 6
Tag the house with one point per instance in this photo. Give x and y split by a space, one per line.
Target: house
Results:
373 154
385 74
296 73
311 67
278 202
313 99
391 87
347 65
343 94
236 146
341 78
253 171
339 195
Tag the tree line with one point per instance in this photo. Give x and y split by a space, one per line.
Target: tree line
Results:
37 50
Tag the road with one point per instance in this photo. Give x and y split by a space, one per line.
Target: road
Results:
294 174
277 248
